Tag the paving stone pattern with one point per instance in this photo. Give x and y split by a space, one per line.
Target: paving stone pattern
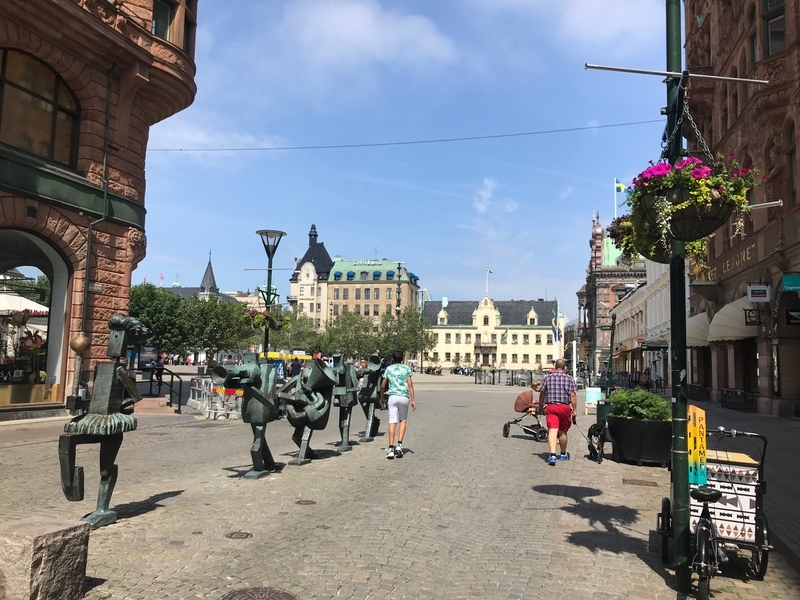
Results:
465 514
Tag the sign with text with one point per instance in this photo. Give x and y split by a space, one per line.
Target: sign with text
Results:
791 282
757 292
696 437
593 395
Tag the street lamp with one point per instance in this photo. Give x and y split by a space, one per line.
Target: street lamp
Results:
270 238
397 306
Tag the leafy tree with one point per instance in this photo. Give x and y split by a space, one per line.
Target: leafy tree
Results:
352 334
162 312
37 291
214 325
299 331
415 333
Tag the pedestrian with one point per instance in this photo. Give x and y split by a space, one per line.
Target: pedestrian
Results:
559 400
295 367
397 378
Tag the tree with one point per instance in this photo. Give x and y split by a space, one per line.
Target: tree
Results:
37 291
415 333
298 332
162 313
352 334
214 325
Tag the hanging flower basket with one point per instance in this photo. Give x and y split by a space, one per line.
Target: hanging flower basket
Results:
691 200
691 222
657 254
641 239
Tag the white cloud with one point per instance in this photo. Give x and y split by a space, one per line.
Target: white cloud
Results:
483 195
511 205
566 192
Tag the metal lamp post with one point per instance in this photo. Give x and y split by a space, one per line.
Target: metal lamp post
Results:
270 238
397 307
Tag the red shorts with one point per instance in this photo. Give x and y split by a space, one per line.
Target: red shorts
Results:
559 416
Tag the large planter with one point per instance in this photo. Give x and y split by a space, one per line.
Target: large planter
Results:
640 441
690 223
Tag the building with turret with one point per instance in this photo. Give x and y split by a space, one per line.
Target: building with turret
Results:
81 83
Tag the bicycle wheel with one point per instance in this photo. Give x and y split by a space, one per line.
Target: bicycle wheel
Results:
666 523
705 558
759 561
703 588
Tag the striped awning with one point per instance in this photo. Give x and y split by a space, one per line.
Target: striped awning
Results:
697 331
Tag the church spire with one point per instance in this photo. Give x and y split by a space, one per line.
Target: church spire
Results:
209 284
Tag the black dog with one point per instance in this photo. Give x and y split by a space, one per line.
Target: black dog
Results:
597 440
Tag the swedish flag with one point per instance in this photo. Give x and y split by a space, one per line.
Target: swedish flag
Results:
619 186
488 270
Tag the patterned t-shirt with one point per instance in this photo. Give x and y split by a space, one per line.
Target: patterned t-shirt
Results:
397 375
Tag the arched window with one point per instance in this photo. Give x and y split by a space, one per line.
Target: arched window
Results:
38 112
485 320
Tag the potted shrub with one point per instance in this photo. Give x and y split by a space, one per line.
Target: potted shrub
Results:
692 199
640 427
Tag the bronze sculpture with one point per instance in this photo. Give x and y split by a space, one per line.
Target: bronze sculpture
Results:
259 406
369 395
308 397
344 396
106 418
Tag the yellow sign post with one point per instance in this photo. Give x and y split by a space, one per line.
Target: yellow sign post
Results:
696 437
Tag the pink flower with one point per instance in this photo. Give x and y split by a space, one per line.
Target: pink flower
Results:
701 172
688 162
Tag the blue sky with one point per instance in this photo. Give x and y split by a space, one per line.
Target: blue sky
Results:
285 73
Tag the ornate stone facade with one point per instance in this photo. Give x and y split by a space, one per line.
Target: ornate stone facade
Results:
122 79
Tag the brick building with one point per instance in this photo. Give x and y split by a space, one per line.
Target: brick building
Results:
744 353
81 82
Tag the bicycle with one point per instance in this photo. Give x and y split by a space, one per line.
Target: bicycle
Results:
711 549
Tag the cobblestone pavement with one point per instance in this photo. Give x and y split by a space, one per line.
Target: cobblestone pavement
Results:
466 513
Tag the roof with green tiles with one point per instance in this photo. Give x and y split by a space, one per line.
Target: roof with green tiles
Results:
374 270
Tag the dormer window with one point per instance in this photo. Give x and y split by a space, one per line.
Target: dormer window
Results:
364 275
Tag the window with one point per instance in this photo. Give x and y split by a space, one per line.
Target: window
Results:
358 309
468 338
503 358
358 293
525 339
446 338
38 112
468 357
163 15
345 309
312 290
302 290
549 339
494 338
447 356
436 338
335 293
376 294
514 338
486 320
189 28
337 276
319 307
366 310
389 276
389 294
364 275
538 339
532 321
335 310
366 293
388 308
513 358
435 356
317 322
526 358
300 306
538 359
310 307
350 276
458 338
774 27
376 309
549 358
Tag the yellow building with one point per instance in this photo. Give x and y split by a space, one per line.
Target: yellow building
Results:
504 334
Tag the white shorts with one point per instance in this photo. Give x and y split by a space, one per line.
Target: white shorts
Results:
398 408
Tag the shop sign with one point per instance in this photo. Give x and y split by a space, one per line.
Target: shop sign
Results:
793 315
739 260
791 282
758 292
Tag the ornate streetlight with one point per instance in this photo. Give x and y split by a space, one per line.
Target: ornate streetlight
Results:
270 238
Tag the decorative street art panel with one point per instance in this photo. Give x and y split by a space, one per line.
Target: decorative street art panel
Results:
734 514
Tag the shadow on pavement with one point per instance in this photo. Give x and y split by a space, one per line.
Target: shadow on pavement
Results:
89 583
240 470
135 509
615 519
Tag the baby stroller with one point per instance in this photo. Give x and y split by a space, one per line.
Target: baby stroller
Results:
522 405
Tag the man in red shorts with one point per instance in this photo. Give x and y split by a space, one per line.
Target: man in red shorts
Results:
559 395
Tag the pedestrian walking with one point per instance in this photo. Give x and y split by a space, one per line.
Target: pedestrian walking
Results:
295 367
397 378
559 399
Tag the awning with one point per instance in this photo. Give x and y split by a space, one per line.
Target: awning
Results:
412 276
376 273
728 324
697 331
351 273
337 273
390 273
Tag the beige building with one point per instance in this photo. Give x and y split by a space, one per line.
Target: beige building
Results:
504 334
323 287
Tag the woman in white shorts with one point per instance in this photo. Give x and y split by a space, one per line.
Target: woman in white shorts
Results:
397 378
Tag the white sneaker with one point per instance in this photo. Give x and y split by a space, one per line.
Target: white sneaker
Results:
398 450
390 453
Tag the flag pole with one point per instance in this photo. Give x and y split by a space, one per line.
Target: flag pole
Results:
487 281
